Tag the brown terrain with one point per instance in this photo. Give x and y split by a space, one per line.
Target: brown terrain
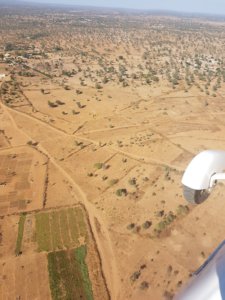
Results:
100 113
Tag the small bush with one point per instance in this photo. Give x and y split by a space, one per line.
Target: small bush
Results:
169 218
132 181
79 92
121 192
159 213
182 210
144 285
160 226
147 224
98 86
98 165
31 143
137 229
168 295
135 276
130 226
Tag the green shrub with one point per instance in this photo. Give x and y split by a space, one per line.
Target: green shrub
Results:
135 276
121 192
160 226
182 210
98 165
132 181
130 226
169 218
147 224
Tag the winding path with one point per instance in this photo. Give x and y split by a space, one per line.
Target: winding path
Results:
103 242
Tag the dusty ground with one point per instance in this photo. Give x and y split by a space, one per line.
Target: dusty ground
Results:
25 277
22 178
111 119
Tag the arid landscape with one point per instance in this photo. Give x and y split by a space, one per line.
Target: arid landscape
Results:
100 112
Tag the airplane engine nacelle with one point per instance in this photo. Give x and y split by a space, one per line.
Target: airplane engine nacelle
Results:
197 179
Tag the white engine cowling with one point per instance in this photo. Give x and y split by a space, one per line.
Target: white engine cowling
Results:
202 167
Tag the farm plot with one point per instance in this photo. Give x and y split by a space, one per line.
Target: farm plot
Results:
68 274
8 236
64 191
73 261
67 264
20 234
62 229
20 170
25 277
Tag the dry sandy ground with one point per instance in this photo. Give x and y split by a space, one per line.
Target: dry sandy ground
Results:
144 144
24 171
25 277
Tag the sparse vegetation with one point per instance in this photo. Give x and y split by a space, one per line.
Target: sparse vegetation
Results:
132 181
167 220
20 234
147 224
182 210
116 112
135 276
144 285
121 192
98 165
130 226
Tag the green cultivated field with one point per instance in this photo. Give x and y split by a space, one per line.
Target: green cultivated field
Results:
60 229
62 233
43 233
20 233
68 274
